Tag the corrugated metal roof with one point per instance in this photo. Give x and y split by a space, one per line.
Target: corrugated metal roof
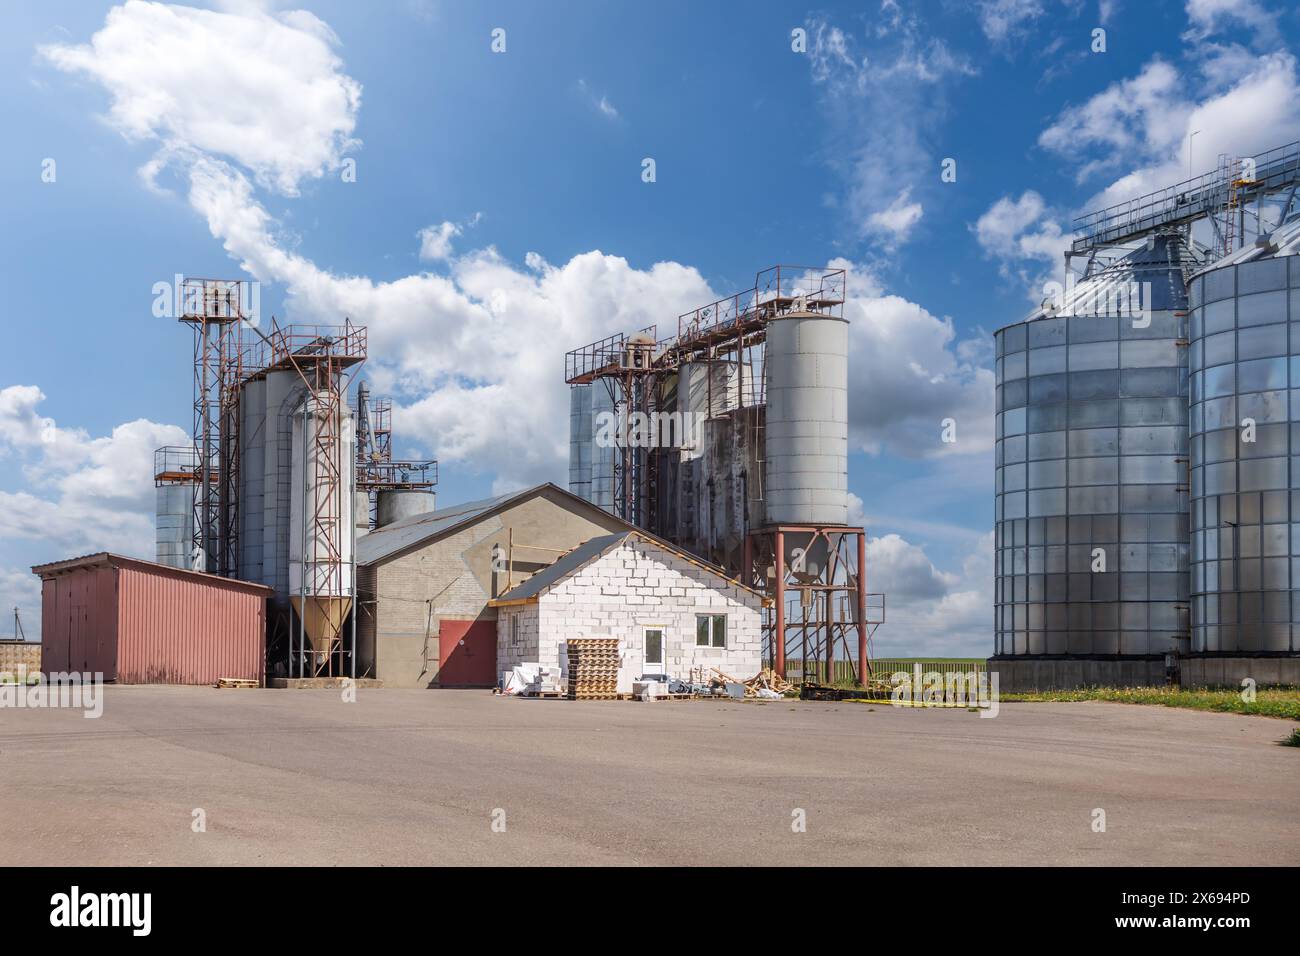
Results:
110 559
385 542
1153 272
1283 241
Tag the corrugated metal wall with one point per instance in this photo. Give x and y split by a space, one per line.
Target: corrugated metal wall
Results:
79 622
181 631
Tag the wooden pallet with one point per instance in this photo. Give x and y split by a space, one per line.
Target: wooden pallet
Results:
236 682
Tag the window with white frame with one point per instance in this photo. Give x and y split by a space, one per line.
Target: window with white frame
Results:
710 630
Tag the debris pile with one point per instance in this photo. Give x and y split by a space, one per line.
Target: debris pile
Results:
766 683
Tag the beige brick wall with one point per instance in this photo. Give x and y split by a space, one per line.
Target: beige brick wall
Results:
17 653
452 579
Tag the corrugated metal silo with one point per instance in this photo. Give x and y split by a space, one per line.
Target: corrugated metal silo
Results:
1245 428
1091 506
284 394
252 483
806 369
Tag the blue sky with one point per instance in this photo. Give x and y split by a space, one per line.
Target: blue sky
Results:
528 164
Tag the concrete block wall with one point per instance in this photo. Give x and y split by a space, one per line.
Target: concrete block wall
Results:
1027 675
527 650
1231 671
641 585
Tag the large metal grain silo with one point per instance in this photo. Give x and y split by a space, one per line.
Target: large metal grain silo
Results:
1091 500
1245 428
806 430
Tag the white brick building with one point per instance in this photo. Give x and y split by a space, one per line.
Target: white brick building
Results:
669 611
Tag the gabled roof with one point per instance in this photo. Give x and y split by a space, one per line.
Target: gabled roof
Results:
400 536
108 559
587 552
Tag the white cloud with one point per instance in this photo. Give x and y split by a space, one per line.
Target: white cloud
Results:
1001 19
264 90
884 95
902 570
1208 17
909 374
1237 103
93 494
930 612
1025 238
898 218
435 241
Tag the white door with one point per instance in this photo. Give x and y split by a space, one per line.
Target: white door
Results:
654 651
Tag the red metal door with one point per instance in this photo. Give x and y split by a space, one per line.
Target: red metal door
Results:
467 653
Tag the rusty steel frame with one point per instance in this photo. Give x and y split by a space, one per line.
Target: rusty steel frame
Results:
214 309
843 612
375 467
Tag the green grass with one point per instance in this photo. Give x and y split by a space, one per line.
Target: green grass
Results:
1275 702
1293 740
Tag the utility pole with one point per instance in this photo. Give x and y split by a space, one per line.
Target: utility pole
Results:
19 635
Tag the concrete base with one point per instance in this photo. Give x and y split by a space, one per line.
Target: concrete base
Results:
1025 675
1231 671
321 683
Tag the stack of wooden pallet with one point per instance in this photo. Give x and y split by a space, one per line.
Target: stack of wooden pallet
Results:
593 668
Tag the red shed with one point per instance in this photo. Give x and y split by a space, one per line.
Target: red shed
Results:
144 623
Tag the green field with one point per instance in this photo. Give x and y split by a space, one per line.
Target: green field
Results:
1279 702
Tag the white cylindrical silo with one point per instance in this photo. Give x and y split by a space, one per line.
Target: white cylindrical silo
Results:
604 447
284 393
395 504
807 427
580 441
252 478
174 525
321 565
